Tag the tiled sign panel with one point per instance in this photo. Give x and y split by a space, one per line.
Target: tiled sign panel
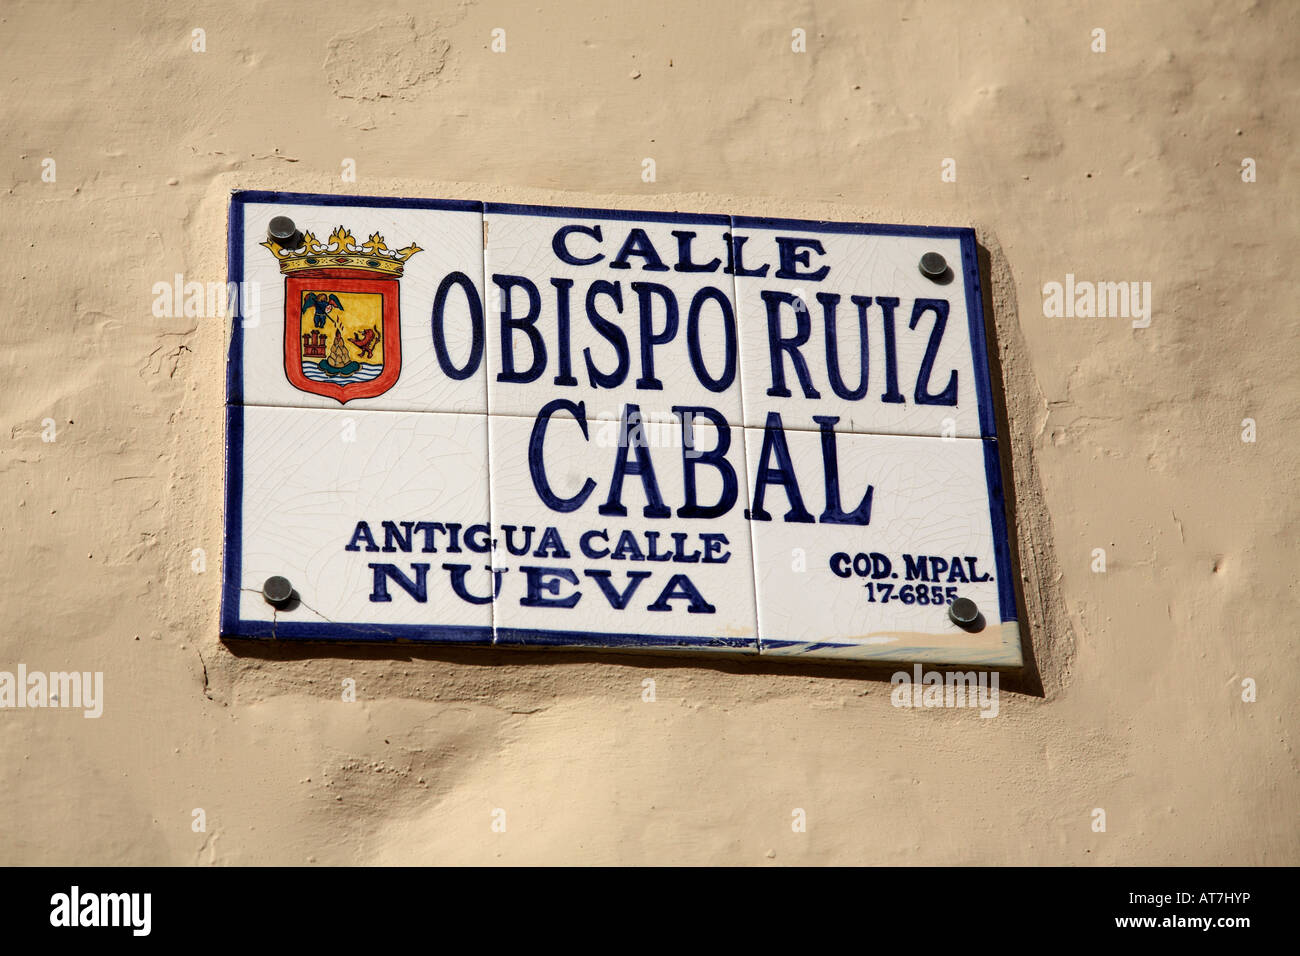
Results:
533 426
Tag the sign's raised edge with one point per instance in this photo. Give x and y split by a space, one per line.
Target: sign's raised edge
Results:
330 631
1001 541
232 544
851 228
542 637
1006 653
978 339
535 209
232 538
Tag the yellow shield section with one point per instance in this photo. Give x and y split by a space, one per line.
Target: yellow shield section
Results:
360 323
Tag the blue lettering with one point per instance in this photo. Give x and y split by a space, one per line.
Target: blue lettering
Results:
527 324
559 243
475 321
537 467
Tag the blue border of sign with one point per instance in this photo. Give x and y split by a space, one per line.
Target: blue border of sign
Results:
231 625
849 228
232 553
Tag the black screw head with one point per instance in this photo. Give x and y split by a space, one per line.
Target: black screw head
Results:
277 591
933 265
284 233
963 612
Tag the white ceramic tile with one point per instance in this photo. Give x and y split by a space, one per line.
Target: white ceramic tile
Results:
311 478
820 277
684 577
633 325
447 271
931 523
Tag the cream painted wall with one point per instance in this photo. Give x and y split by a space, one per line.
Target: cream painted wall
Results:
1122 165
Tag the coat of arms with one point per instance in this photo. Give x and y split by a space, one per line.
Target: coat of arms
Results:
342 331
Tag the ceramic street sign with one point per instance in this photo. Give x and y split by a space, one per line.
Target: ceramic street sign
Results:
454 421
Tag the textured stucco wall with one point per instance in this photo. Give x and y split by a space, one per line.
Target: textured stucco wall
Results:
1122 165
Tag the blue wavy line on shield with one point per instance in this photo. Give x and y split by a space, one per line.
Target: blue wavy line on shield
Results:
363 374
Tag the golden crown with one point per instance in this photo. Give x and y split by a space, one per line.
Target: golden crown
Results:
342 252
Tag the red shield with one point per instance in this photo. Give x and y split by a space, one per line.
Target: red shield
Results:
342 333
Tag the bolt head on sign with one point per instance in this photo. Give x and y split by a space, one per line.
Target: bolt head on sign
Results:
285 233
933 265
277 590
963 612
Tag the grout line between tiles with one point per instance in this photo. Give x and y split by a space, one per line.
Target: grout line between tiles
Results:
744 445
669 421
